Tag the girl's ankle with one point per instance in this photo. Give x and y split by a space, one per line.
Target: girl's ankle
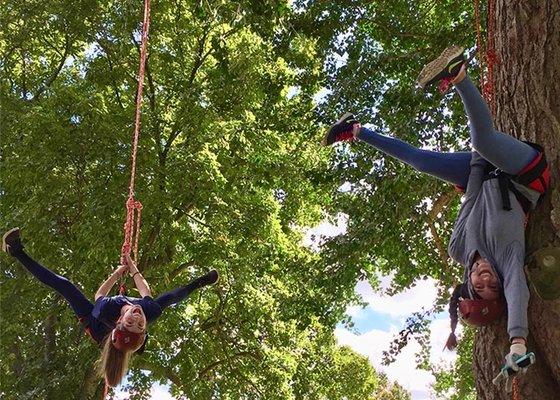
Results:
460 76
356 129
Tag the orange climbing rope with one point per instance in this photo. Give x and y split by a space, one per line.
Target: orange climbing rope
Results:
515 389
133 206
488 58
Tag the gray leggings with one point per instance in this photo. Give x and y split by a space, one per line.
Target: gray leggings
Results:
503 151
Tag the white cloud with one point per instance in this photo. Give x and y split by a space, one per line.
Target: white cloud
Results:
159 392
320 96
402 304
314 237
372 343
440 331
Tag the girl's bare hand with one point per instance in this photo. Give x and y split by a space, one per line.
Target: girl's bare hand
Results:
130 264
121 269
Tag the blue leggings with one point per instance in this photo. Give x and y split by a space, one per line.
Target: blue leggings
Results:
501 150
176 295
80 304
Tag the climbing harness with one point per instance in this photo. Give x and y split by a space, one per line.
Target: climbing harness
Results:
535 176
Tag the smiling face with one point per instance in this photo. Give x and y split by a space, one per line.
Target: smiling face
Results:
132 319
484 279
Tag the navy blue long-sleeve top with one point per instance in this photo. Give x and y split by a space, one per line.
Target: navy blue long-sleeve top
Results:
107 310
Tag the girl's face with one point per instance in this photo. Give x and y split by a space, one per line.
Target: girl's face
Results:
484 280
132 318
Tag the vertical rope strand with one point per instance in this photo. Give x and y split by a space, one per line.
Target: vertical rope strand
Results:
515 389
133 207
479 42
488 58
491 58
141 72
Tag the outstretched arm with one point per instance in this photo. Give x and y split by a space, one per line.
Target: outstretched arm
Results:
139 281
110 281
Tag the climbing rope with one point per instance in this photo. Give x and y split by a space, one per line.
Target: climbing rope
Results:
133 206
515 389
488 57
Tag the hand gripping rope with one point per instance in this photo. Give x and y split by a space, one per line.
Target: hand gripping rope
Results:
511 376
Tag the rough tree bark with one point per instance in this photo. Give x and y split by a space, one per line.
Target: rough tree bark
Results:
527 95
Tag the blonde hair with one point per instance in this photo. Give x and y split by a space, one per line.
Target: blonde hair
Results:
113 363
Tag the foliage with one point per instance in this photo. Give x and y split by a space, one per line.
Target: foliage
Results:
457 383
230 175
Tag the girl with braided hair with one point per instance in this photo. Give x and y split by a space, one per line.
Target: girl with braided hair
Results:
502 178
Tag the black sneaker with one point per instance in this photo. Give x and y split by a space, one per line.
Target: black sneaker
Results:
445 67
11 242
341 130
209 278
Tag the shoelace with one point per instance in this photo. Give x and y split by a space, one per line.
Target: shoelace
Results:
445 84
345 136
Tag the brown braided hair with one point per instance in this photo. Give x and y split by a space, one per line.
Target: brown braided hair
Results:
460 290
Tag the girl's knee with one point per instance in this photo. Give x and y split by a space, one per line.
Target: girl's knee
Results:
483 141
422 162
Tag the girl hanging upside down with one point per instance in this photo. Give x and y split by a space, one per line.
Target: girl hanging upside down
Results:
117 323
503 177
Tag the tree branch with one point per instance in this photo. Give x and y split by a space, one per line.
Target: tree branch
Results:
46 84
437 208
165 372
215 364
111 68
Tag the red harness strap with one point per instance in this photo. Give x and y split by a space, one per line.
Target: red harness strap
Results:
536 175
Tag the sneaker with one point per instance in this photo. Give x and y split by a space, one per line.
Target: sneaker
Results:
445 67
209 278
341 130
11 242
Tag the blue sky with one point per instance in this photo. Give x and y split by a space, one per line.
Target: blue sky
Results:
378 323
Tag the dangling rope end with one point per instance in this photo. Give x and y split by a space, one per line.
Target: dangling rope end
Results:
122 289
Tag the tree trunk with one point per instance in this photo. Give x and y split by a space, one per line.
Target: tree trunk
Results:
527 96
91 383
49 349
